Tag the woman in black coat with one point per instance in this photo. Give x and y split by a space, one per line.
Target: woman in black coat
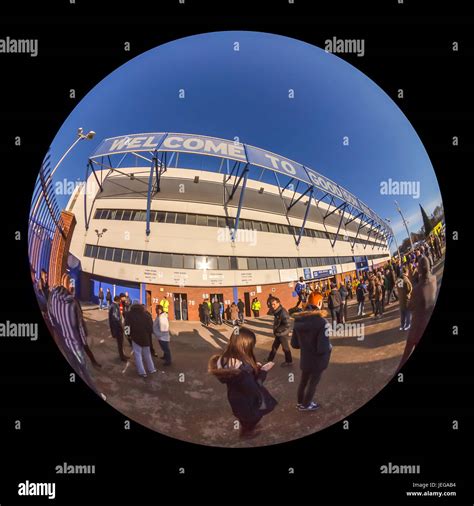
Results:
244 377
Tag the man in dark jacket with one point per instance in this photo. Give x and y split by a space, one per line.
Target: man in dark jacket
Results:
281 331
206 317
311 336
334 304
139 326
241 307
344 294
216 312
116 326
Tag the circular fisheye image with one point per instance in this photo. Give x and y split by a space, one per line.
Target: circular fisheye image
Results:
236 239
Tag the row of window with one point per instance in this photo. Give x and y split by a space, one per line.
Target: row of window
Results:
217 221
179 261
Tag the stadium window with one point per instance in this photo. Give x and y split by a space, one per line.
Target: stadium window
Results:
264 226
126 256
97 214
101 253
278 263
126 215
154 259
256 225
160 216
190 219
181 218
223 263
132 215
272 227
221 222
105 214
242 263
145 258
212 263
202 220
136 257
152 216
261 264
140 216
201 262
177 261
233 263
119 214
212 221
286 263
303 262
252 263
170 217
293 263
88 250
230 222
283 229
165 260
270 263
109 254
248 225
189 261
118 255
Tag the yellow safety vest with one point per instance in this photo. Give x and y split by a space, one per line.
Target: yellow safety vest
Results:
165 303
256 306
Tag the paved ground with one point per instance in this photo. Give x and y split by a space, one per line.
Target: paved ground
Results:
183 401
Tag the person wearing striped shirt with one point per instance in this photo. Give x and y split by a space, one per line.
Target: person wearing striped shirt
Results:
65 314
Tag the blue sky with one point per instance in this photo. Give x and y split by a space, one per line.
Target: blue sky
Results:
245 93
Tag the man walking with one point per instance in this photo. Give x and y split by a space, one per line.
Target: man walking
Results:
281 331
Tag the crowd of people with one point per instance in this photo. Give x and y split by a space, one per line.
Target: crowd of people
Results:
406 279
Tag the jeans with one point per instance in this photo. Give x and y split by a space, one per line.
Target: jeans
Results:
336 315
101 303
241 317
405 317
379 307
360 308
307 387
165 346
283 341
142 353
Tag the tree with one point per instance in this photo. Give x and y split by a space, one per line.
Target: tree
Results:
427 223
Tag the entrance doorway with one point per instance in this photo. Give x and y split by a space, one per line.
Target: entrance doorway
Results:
180 306
218 296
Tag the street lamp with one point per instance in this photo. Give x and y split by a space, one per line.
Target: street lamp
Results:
406 225
395 239
80 136
99 236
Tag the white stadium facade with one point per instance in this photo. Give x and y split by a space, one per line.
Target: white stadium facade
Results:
194 217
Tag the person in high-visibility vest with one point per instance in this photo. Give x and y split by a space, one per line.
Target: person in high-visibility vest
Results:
165 304
256 306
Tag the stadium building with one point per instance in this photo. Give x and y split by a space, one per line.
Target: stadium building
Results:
194 217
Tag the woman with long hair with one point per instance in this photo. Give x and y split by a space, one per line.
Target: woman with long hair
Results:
244 377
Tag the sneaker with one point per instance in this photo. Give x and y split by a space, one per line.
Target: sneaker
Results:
312 407
401 328
363 314
142 375
153 372
407 327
